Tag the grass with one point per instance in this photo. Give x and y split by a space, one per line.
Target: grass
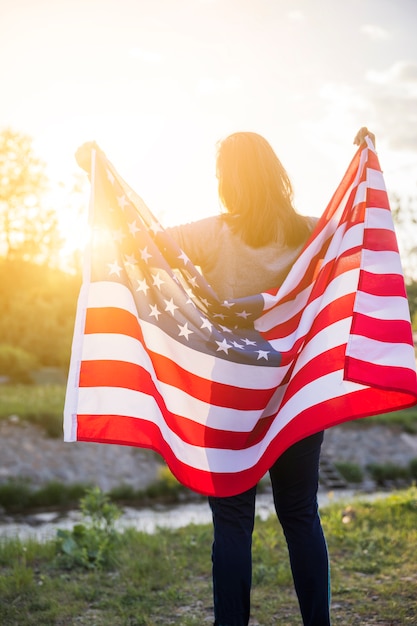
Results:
164 579
44 404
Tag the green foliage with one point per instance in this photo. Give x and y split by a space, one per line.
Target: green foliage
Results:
28 228
412 302
165 578
412 467
92 544
16 364
351 472
38 310
42 405
385 472
17 496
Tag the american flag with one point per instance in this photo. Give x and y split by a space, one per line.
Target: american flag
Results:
222 388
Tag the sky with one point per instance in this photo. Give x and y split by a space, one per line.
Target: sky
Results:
158 82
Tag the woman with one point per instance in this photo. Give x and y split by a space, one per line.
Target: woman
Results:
249 249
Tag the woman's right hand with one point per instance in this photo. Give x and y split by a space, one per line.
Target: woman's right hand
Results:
83 155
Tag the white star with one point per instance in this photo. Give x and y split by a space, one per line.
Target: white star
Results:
122 202
223 346
262 354
192 280
228 304
220 315
157 280
130 259
206 323
184 331
225 329
205 302
133 229
156 227
249 342
114 268
170 306
243 314
118 235
145 254
142 286
237 345
183 257
154 311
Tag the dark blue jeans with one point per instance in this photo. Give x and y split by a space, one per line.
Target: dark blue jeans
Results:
294 478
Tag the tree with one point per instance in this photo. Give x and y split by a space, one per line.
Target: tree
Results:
28 229
404 212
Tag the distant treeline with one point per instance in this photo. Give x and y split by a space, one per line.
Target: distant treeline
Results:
38 305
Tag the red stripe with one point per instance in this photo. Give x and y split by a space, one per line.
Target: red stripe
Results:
112 320
380 239
377 198
382 284
380 329
401 379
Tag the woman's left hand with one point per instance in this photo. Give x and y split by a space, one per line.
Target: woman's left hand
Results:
361 134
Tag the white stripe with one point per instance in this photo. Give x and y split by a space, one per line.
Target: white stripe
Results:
379 218
110 294
382 307
381 262
375 179
381 353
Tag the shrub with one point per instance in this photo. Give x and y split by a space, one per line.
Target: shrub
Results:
92 544
412 466
382 473
350 471
16 364
15 496
56 494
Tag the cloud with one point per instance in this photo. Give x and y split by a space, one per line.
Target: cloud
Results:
210 86
296 15
393 98
146 56
375 32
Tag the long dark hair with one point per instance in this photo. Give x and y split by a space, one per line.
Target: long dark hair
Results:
257 193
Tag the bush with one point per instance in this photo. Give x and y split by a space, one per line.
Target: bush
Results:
16 364
350 471
412 466
15 496
382 473
93 544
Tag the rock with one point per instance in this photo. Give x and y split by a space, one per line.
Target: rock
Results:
25 452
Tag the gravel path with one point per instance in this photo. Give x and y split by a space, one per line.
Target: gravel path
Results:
25 452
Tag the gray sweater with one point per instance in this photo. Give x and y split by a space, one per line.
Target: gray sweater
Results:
233 268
